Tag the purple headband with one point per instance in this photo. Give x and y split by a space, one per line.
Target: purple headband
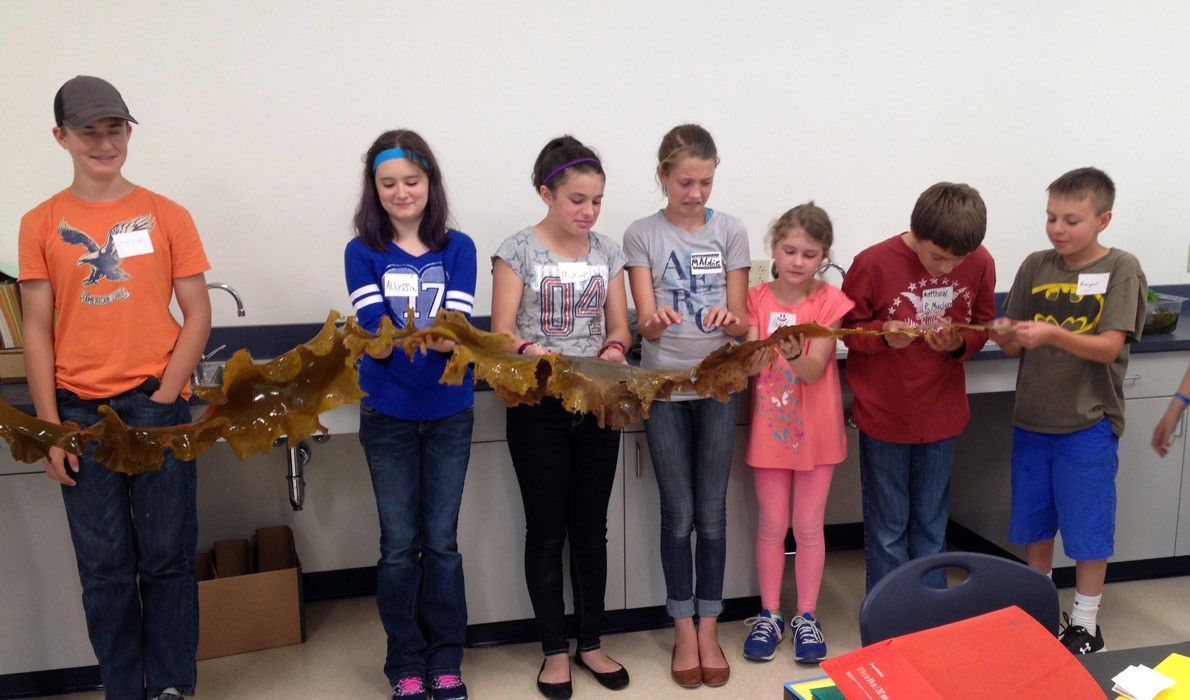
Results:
560 168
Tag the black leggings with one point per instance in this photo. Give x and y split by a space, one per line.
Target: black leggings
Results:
565 465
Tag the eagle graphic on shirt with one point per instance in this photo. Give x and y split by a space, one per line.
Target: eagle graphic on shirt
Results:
104 260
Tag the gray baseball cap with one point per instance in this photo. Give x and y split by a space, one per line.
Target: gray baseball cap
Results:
85 99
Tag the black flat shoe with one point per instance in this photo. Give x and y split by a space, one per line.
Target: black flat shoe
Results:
613 680
554 691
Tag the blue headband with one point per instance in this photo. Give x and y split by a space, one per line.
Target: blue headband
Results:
560 168
399 153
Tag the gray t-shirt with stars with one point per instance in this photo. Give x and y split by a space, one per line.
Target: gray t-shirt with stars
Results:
562 299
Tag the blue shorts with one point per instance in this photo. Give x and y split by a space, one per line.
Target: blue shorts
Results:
1066 482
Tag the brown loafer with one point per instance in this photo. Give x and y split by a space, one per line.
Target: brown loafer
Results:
690 678
715 677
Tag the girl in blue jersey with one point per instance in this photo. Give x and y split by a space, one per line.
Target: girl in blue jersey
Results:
416 433
558 286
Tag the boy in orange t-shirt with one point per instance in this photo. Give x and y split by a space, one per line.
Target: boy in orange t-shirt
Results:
100 262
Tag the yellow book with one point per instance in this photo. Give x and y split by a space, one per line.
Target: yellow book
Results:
1176 667
801 689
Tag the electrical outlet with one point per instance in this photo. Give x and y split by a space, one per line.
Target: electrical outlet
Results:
761 272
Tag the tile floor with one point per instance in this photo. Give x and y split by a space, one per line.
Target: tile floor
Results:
344 652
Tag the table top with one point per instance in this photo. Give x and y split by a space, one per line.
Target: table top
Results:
1106 664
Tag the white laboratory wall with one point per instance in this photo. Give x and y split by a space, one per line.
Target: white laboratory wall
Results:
255 114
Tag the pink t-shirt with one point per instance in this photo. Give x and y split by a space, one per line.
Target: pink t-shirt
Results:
796 425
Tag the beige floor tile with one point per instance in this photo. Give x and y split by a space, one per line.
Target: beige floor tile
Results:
344 653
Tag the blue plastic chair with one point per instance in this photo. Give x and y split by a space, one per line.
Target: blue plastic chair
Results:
900 603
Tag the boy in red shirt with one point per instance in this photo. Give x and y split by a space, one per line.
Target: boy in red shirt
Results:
910 388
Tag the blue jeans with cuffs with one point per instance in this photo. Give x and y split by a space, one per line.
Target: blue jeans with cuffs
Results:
691 444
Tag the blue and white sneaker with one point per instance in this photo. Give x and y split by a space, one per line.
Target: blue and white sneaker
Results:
809 646
767 631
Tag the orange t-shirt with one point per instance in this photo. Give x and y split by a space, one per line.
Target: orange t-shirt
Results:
111 266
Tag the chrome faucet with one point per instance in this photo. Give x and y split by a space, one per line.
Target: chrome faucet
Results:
831 264
207 372
234 295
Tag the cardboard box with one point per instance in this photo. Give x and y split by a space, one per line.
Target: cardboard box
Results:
12 365
244 608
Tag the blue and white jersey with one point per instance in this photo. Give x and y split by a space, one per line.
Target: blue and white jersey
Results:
388 284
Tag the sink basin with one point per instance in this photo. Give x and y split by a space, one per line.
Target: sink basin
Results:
209 373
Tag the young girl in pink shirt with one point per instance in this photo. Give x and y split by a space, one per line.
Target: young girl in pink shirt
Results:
797 428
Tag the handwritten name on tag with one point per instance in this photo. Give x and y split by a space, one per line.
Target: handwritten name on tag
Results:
132 243
780 319
937 300
710 263
574 272
400 284
1095 283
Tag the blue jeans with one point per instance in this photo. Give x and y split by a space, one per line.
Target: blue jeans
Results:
691 443
906 494
134 539
565 467
418 469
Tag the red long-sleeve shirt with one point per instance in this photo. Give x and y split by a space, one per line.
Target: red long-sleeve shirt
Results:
913 395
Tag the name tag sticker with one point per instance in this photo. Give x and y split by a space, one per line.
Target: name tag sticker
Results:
780 319
1089 284
132 243
937 300
706 263
574 272
400 284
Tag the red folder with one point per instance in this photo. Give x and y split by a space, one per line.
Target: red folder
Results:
998 655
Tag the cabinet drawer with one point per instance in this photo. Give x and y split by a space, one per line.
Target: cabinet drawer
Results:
8 465
1154 374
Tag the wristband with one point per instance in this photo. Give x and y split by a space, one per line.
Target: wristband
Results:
1182 397
608 345
520 350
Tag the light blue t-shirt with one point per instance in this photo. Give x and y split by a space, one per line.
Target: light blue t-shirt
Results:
689 274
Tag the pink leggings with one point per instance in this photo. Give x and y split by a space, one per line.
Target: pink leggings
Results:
810 489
